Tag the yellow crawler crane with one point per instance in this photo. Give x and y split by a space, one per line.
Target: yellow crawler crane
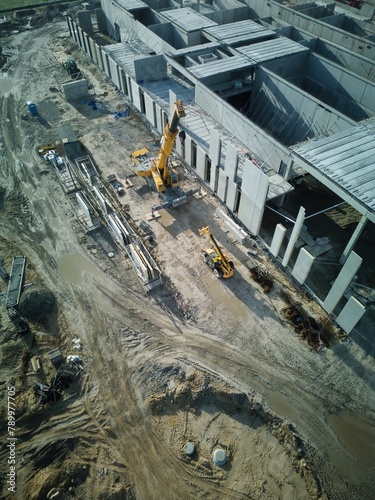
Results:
158 168
220 264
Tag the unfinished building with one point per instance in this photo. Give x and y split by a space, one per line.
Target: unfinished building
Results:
280 122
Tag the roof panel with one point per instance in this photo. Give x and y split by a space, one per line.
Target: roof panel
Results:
187 19
132 4
272 49
347 158
241 31
234 63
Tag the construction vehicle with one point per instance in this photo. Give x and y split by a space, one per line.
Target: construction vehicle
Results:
215 258
72 69
164 179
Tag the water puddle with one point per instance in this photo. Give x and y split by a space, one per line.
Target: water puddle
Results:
6 85
356 435
72 266
279 404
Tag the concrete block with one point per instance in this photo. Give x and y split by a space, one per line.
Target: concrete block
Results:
214 153
277 239
231 162
350 315
294 236
303 265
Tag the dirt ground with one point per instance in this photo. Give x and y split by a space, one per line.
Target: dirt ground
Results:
200 360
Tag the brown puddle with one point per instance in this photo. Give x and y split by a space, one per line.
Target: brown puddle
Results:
72 266
356 435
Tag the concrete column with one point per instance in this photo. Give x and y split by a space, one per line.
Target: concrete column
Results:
354 238
294 236
277 239
342 282
351 314
303 265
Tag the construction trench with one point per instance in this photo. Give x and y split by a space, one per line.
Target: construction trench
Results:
137 372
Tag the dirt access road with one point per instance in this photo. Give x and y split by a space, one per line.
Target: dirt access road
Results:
199 360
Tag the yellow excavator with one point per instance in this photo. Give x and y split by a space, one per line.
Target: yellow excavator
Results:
158 168
219 262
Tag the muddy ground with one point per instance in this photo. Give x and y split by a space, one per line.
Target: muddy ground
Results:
202 361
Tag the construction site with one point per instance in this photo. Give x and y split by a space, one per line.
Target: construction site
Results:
187 208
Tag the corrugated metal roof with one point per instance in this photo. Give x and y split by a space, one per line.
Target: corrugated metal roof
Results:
272 49
221 66
132 4
241 31
187 19
348 158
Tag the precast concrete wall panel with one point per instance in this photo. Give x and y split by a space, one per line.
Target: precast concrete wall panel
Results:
254 191
201 162
84 207
302 266
294 236
188 150
149 105
214 153
101 20
231 162
258 141
84 19
277 239
114 72
221 185
93 53
159 118
232 195
99 56
135 95
342 282
351 314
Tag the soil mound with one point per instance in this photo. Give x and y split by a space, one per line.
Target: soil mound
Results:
37 302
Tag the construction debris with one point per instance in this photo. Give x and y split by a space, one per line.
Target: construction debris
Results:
305 326
261 276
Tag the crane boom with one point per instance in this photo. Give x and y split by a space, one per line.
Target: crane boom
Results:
158 168
215 258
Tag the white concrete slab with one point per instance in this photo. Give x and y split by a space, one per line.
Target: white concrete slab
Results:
294 236
277 239
302 266
350 315
214 153
231 162
342 282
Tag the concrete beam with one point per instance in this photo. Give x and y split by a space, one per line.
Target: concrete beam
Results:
354 238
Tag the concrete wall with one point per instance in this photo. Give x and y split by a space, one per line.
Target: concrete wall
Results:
246 132
150 69
253 197
357 64
342 85
317 27
290 114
